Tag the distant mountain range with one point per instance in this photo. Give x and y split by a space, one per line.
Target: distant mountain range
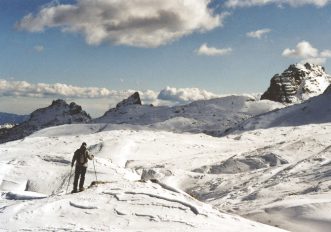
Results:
213 117
58 113
6 118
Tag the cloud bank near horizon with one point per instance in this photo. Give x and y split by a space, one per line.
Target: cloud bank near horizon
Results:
147 23
41 90
185 94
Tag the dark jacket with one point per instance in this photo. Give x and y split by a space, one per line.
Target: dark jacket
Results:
81 157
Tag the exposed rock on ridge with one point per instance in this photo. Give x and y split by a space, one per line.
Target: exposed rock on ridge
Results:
298 83
134 99
328 90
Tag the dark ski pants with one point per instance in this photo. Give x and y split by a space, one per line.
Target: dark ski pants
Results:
80 171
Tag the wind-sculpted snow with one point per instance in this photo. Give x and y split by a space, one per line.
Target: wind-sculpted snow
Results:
24 195
83 205
248 163
120 200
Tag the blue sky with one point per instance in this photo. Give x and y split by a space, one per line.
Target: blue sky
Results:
51 55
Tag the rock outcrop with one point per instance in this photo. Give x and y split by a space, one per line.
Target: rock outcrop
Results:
328 90
58 113
298 83
134 99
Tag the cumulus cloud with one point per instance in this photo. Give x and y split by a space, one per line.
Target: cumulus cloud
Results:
326 53
25 89
39 48
305 51
294 3
142 23
258 33
212 51
171 96
181 95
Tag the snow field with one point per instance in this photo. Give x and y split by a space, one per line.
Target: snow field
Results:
123 203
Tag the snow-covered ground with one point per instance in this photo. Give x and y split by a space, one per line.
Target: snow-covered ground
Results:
40 164
274 168
279 176
6 126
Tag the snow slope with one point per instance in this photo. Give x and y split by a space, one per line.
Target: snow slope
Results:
121 202
316 110
207 116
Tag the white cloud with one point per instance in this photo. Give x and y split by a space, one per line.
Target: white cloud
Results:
25 89
39 48
181 95
305 51
142 23
326 53
212 51
41 90
314 60
23 97
258 33
294 3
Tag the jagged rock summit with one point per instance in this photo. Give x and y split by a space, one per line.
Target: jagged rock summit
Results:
134 99
58 113
298 83
121 108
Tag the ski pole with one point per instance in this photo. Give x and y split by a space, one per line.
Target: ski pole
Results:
69 180
95 171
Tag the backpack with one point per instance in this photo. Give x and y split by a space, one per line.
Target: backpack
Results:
81 156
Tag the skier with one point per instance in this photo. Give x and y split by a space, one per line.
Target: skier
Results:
81 157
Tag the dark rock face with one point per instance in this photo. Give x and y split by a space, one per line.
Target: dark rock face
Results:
134 99
58 113
297 83
121 108
328 90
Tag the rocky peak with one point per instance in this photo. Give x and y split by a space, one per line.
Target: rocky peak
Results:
297 83
134 99
59 102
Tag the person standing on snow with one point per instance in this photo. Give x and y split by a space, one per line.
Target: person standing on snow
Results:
81 157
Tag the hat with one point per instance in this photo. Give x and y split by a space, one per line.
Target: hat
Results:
84 144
